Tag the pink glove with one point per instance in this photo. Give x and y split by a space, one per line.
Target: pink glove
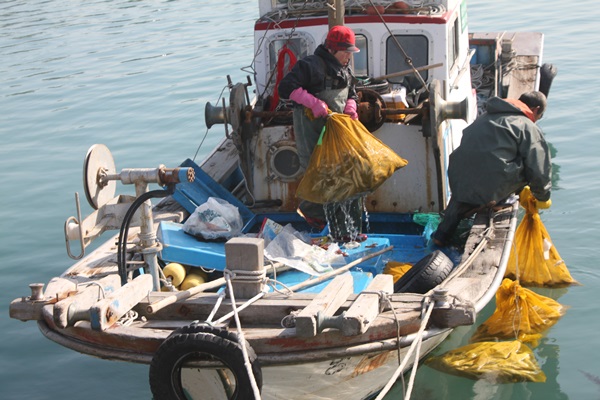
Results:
350 109
318 107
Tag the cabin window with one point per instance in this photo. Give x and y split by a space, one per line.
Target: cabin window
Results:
453 38
360 59
416 47
299 46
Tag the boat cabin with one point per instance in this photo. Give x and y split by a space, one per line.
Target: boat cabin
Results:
403 49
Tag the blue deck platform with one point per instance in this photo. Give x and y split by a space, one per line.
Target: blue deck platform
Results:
397 230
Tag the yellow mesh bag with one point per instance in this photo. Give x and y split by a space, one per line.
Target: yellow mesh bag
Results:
347 162
396 269
501 362
535 262
520 313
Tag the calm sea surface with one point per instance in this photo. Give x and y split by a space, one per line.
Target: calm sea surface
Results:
135 75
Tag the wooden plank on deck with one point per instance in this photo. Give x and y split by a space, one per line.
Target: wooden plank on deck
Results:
365 308
109 310
327 303
74 308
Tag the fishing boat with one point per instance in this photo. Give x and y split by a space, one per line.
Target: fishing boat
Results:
229 317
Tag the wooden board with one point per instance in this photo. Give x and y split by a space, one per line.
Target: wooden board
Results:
77 307
109 310
325 303
26 309
366 307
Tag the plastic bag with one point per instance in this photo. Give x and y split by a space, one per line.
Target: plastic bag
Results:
269 230
536 261
499 362
520 313
429 221
215 219
347 162
291 248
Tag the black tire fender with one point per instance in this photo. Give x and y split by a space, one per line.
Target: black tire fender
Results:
179 347
206 328
426 274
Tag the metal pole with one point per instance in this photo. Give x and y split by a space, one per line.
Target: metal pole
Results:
336 12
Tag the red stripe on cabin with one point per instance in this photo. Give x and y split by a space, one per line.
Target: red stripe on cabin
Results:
355 19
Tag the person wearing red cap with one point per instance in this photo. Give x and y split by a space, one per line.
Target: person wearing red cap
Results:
320 82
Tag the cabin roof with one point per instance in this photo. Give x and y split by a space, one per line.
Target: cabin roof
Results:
282 9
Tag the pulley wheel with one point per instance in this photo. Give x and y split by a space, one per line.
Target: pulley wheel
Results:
97 165
237 103
370 105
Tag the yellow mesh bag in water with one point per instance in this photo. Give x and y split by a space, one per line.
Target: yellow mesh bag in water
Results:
348 161
501 362
396 269
520 313
535 261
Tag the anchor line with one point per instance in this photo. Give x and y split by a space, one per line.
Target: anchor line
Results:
221 294
397 321
240 332
414 347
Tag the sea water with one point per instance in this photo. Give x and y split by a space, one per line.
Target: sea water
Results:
135 76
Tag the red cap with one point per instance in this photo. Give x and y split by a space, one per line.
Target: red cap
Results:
341 38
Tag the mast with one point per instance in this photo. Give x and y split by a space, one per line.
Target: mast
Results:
336 12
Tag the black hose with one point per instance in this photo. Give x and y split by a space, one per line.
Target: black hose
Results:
124 232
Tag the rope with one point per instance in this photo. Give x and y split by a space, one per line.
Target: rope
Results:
415 346
101 292
238 275
128 318
238 324
285 51
288 40
397 338
227 275
273 284
221 293
206 132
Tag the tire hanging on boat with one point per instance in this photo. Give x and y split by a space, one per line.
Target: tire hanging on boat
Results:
426 274
204 342
205 328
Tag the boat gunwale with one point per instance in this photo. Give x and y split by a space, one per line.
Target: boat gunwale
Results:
266 359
